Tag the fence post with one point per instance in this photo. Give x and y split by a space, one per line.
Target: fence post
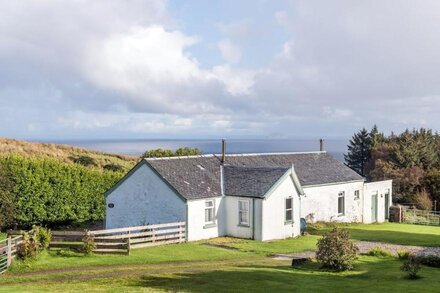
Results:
153 234
9 249
128 243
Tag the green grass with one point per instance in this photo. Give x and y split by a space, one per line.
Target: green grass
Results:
371 274
226 264
395 233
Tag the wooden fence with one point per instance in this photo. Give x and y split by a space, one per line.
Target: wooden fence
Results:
405 214
122 240
8 251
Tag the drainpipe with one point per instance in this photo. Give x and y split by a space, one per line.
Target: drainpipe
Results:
253 218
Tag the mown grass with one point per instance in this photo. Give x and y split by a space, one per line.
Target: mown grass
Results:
371 274
395 233
226 264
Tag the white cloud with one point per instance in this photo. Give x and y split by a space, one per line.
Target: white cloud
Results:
230 52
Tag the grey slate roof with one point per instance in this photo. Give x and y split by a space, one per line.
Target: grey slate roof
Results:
199 176
250 181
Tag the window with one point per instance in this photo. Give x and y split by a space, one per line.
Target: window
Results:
289 210
341 203
356 194
209 211
243 212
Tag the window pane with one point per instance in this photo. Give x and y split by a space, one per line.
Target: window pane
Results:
288 203
209 203
341 205
288 215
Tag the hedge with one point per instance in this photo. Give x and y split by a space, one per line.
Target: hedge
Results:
50 192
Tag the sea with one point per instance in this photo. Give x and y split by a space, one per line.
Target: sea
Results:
135 147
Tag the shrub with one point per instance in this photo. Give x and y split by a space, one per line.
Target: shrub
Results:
85 161
89 244
7 204
113 167
429 260
379 252
42 236
403 254
27 249
411 266
336 251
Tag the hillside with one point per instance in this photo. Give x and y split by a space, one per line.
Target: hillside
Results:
66 153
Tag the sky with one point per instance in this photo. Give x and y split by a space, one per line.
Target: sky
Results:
83 69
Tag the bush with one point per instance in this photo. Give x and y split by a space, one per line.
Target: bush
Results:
430 260
113 167
411 266
89 244
49 192
7 204
336 251
42 236
27 249
403 254
159 153
85 160
379 252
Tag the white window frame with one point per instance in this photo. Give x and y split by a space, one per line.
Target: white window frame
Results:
286 210
341 194
357 194
242 203
212 207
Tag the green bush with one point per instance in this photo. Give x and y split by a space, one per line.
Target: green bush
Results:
49 192
379 252
336 251
113 167
159 153
85 160
429 260
43 237
411 266
89 244
27 249
403 254
7 203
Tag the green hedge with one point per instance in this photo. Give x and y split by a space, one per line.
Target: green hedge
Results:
49 192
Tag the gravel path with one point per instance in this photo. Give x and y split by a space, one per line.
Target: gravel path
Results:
366 246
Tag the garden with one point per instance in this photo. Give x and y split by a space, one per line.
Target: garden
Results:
230 264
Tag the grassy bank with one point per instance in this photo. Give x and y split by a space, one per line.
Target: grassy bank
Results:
395 233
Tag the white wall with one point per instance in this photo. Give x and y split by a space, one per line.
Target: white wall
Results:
381 187
273 212
321 203
233 228
197 229
142 199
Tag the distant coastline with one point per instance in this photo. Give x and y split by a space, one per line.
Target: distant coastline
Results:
135 147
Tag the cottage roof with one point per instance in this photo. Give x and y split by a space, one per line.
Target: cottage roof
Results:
196 177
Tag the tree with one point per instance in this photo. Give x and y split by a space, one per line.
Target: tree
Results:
7 203
160 153
359 151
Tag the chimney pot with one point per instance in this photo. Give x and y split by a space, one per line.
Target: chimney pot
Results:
223 151
321 145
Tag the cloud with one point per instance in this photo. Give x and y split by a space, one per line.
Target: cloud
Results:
230 52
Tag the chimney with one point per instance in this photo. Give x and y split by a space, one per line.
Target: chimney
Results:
223 151
321 145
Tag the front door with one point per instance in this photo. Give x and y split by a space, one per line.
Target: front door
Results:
387 205
374 207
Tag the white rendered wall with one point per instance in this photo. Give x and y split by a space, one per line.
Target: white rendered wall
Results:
142 199
381 187
197 229
321 203
233 228
273 213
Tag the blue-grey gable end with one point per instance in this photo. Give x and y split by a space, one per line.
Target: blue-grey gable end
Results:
133 170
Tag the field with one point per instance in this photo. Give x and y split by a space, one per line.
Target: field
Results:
63 153
223 264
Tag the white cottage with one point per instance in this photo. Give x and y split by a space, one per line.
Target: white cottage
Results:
256 196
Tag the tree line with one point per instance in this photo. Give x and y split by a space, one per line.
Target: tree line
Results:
411 159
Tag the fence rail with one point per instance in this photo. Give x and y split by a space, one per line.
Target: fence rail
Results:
8 251
122 240
411 215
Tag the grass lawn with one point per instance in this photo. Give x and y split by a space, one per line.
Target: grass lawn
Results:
395 233
226 264
371 274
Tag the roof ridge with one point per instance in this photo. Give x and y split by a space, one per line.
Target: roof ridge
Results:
235 155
